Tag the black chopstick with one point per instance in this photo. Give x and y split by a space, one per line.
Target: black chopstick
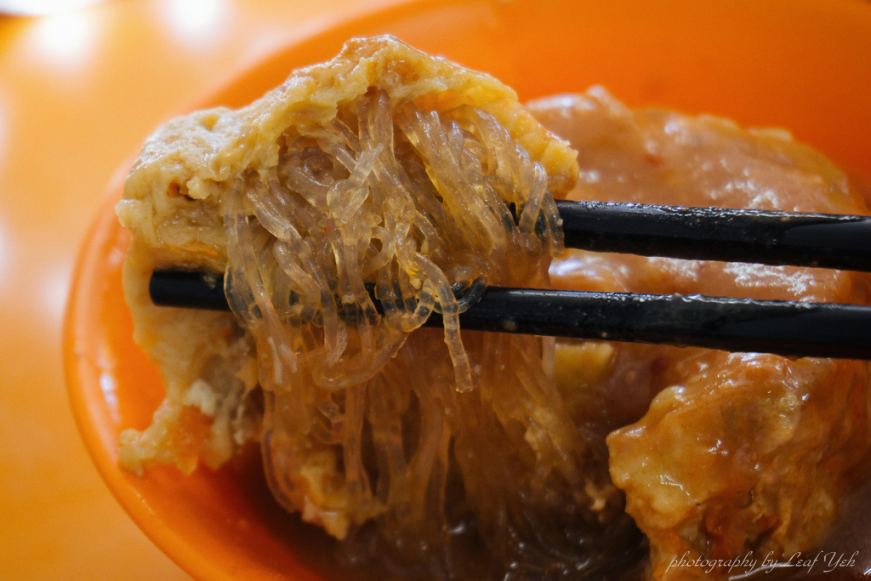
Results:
764 237
785 328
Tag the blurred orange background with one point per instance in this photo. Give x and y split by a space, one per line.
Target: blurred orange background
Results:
79 92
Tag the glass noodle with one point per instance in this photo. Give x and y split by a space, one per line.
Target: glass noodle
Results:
387 427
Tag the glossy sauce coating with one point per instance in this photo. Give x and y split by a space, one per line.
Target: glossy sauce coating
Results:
737 453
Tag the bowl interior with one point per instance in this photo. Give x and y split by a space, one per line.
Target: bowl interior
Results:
798 64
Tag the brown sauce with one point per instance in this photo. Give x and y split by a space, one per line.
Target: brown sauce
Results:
720 455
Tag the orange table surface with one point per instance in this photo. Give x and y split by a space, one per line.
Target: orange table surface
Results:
79 92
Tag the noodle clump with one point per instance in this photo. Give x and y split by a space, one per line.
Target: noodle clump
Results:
391 172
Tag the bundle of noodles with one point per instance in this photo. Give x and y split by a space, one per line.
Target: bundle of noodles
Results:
388 169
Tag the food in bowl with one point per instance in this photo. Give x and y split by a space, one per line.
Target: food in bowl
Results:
471 455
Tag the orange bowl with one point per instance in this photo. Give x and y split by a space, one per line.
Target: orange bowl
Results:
804 65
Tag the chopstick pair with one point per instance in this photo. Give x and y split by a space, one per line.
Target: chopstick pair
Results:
796 329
